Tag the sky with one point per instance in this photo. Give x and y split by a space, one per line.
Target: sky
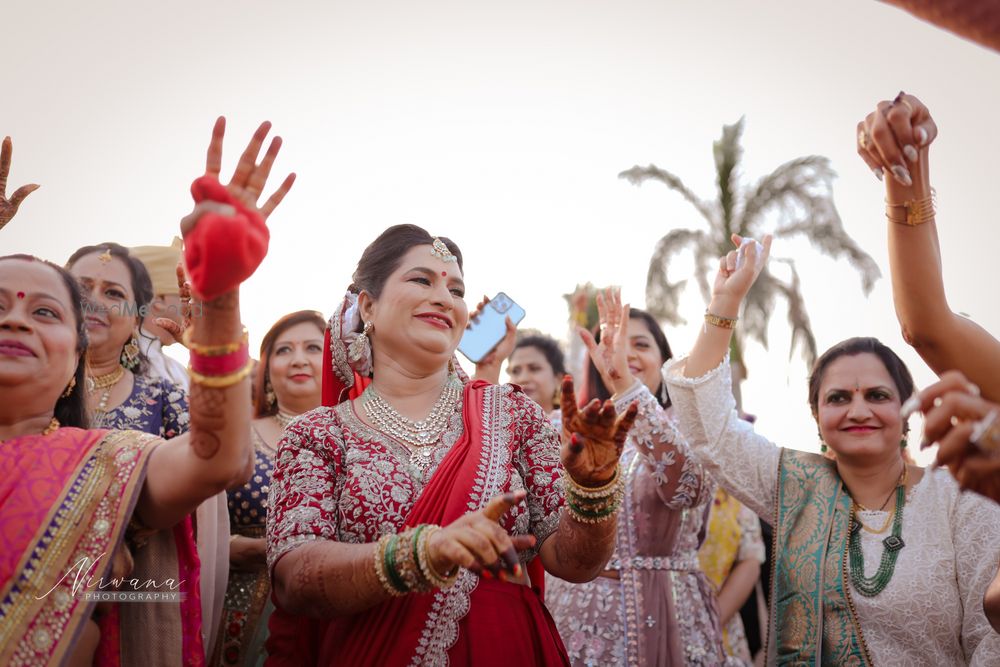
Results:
503 126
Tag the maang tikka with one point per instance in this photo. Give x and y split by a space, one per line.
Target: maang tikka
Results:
360 347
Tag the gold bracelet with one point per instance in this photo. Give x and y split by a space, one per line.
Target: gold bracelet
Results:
221 381
214 350
431 575
232 538
914 211
596 492
721 322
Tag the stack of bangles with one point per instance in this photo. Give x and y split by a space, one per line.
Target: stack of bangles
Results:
594 505
403 565
913 212
219 366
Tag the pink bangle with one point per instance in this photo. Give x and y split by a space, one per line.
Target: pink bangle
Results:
223 364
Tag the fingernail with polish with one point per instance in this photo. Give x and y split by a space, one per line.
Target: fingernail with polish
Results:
902 175
517 570
911 405
921 136
910 152
974 389
879 173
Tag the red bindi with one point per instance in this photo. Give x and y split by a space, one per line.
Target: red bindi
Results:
444 274
20 295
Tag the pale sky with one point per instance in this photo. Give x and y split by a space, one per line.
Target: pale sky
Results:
502 125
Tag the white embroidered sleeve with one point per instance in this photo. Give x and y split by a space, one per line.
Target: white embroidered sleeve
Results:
741 461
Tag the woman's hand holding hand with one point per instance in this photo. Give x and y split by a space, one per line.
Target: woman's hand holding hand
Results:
477 542
8 207
966 428
592 438
610 356
893 140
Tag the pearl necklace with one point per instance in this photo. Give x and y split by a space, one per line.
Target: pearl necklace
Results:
283 419
420 436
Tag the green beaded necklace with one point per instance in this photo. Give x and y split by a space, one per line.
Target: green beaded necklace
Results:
872 586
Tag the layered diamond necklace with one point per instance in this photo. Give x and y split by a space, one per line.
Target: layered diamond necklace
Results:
420 436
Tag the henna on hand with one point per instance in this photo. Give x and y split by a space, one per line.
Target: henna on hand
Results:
593 438
208 419
8 207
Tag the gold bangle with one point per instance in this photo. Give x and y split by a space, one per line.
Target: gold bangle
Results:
214 350
232 538
380 572
433 577
914 211
221 381
596 492
721 322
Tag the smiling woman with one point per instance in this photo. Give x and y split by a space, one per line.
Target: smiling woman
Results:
876 562
424 482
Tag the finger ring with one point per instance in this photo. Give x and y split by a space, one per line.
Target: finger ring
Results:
909 107
986 433
863 139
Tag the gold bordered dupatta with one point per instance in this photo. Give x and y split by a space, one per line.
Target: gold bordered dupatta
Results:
64 508
812 622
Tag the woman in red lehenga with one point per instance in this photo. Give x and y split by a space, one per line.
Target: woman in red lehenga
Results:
398 518
80 507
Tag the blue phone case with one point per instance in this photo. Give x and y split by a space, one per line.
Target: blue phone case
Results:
483 334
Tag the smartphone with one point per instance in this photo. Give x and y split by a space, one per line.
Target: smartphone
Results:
483 334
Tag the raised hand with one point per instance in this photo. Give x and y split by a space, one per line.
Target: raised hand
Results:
592 438
249 178
967 430
477 542
893 139
738 270
610 355
177 330
8 207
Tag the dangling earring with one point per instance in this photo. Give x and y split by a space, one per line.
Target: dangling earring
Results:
360 346
902 443
269 393
822 447
130 353
69 387
664 396
451 367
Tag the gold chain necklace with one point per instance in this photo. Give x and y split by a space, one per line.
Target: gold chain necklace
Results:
107 383
858 507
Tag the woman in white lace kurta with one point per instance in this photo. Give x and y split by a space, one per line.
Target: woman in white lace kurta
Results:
653 606
929 610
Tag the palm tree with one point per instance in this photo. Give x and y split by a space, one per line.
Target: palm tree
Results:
800 192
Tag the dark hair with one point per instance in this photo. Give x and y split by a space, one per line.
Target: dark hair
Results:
142 284
897 370
595 385
261 407
69 410
383 255
549 349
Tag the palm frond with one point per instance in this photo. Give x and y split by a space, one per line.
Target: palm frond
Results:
825 231
798 318
786 185
727 152
638 175
662 296
758 306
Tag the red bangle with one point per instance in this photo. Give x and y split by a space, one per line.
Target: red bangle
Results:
223 364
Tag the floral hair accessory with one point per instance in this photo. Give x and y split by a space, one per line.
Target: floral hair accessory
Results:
440 250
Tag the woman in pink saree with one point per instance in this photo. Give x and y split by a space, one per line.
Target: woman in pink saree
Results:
87 513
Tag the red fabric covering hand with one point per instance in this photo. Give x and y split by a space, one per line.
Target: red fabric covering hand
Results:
223 251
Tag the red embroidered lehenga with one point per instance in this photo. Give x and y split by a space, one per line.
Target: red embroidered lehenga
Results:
337 479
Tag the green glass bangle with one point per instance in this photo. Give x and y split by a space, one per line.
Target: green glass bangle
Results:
390 565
